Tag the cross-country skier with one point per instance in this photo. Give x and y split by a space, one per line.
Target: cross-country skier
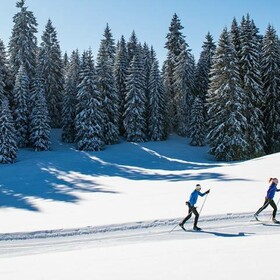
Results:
192 209
269 199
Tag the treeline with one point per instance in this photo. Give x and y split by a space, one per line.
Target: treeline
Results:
228 99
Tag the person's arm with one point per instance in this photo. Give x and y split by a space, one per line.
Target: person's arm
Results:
207 192
203 194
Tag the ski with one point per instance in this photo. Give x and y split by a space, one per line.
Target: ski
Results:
267 222
191 230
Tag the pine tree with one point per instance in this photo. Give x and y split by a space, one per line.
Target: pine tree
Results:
120 73
184 89
21 96
23 42
40 122
107 87
135 122
132 46
202 80
227 110
235 37
109 44
197 125
251 83
157 103
6 73
203 67
90 116
51 65
69 103
65 61
175 40
8 146
147 64
271 81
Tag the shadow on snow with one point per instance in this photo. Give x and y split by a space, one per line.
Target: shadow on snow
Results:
55 175
223 234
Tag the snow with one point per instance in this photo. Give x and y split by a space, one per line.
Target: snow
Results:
67 214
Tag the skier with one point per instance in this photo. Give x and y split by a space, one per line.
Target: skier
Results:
269 200
192 209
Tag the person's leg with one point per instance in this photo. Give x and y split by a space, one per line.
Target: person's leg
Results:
189 215
273 205
266 203
196 217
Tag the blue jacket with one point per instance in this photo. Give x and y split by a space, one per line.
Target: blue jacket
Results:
194 197
271 191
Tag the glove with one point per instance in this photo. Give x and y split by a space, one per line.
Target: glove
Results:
207 192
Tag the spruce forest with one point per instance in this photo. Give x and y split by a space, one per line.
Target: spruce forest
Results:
229 99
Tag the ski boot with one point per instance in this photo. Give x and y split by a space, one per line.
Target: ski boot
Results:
182 226
196 228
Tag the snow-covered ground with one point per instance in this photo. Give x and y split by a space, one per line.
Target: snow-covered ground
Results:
67 214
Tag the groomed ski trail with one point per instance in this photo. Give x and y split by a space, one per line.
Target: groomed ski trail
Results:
219 226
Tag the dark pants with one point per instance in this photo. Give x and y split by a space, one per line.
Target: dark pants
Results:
192 209
266 203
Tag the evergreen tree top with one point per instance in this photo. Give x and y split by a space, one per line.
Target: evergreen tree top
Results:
20 4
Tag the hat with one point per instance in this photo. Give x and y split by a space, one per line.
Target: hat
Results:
198 187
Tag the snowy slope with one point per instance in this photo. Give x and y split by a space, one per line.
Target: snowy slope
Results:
80 214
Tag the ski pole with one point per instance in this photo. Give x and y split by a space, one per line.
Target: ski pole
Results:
173 228
203 204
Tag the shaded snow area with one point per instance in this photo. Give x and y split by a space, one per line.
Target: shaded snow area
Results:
67 214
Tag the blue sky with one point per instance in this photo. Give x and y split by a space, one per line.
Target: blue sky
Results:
80 24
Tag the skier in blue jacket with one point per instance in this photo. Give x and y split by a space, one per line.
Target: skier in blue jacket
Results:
269 199
192 209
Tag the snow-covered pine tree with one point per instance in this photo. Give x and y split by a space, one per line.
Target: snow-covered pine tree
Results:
135 122
40 122
157 105
227 110
271 80
65 62
175 40
69 103
202 79
203 67
235 37
107 87
8 146
132 46
109 43
23 42
51 65
251 82
197 124
6 73
183 83
21 110
147 64
90 116
120 73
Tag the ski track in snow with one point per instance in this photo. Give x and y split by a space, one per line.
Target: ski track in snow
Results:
226 226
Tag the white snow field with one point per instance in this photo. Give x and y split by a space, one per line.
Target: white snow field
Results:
66 214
